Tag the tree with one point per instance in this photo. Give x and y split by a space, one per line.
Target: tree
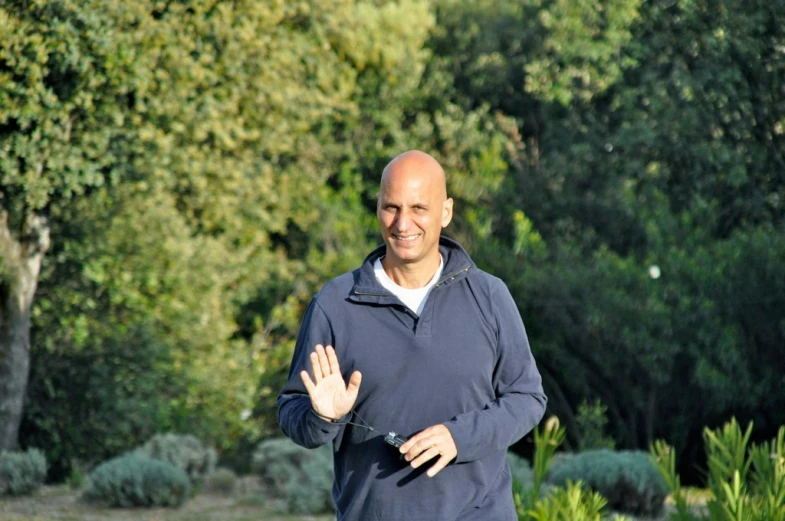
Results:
58 97
644 133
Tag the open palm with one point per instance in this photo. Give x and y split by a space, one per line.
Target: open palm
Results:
330 396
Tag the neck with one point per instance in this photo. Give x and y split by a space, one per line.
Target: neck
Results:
412 275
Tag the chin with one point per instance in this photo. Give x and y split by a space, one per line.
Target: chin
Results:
403 256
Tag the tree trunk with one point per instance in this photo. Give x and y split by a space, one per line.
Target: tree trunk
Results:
20 265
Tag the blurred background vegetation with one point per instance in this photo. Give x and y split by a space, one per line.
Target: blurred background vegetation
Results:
177 178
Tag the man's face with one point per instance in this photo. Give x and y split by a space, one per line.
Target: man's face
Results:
412 209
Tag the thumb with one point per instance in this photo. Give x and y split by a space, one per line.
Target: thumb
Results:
354 383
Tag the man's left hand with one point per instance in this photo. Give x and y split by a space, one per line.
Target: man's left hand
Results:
427 444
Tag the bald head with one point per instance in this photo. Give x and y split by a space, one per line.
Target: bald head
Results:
419 166
413 208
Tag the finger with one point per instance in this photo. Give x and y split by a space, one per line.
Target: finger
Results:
438 466
354 383
428 455
332 359
308 383
323 362
421 446
317 367
414 440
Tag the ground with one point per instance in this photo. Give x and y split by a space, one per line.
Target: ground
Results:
61 503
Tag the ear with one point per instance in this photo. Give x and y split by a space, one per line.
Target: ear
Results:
447 212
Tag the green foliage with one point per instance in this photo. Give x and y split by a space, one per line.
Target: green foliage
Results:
571 503
303 478
21 473
221 481
546 440
611 189
747 483
183 451
727 454
206 166
591 420
584 48
663 458
625 478
521 471
124 397
135 480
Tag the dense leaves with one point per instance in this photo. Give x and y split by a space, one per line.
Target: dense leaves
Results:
205 166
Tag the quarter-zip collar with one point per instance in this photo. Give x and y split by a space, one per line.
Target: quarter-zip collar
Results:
368 289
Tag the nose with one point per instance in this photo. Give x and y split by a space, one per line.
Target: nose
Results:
402 221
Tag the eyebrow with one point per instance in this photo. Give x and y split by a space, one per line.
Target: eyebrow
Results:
386 204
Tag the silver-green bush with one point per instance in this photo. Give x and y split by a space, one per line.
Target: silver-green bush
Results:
303 478
21 472
521 470
184 451
136 480
220 481
627 479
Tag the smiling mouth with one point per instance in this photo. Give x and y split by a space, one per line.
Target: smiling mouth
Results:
410 238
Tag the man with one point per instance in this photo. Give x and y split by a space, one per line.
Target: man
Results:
434 349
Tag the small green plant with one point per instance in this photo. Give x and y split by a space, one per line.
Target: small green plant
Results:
663 458
76 477
546 441
747 483
768 476
183 451
22 472
571 503
592 419
136 480
726 449
625 478
544 502
220 481
302 477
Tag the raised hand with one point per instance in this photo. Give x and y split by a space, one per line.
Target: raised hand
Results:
330 396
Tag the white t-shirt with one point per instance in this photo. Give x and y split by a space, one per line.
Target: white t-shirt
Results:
413 298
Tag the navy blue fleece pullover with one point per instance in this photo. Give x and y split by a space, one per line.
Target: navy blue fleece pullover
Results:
464 362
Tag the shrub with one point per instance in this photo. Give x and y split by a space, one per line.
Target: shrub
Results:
568 504
626 479
745 481
547 439
220 481
21 472
592 420
521 471
183 451
136 480
303 478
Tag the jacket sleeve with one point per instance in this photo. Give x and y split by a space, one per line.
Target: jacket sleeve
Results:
295 414
520 400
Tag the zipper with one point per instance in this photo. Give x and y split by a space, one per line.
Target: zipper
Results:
448 278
